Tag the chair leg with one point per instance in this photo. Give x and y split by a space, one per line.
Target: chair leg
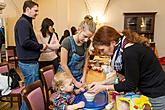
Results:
19 101
11 101
16 64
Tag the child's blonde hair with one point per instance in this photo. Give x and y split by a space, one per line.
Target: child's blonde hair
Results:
58 81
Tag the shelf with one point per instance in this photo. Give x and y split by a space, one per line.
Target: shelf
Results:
142 23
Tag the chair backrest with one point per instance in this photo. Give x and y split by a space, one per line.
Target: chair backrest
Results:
3 52
33 95
47 75
11 52
4 68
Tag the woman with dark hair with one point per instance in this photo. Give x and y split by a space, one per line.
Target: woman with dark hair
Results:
66 34
47 36
133 58
73 30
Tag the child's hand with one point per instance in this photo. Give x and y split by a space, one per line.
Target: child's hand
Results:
81 104
77 91
81 89
97 88
78 84
76 106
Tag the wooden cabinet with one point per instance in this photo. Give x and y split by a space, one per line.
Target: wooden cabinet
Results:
142 23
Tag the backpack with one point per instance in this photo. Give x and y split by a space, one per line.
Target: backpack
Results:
10 80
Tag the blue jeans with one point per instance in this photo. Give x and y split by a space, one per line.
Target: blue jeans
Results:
31 74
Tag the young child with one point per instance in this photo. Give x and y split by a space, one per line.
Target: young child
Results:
63 86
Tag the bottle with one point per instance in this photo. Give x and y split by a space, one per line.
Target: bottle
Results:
116 81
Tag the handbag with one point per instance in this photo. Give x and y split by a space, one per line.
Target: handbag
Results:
15 78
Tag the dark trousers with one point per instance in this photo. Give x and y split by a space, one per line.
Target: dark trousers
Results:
54 62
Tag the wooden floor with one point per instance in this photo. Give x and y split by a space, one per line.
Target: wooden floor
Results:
6 106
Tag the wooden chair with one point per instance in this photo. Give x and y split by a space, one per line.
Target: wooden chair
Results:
14 92
47 75
2 53
11 56
33 95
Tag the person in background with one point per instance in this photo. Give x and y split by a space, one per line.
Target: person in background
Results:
27 47
73 30
1 40
65 94
66 34
73 53
55 33
47 36
133 58
2 36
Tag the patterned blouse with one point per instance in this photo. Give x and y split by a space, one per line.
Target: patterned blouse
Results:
62 100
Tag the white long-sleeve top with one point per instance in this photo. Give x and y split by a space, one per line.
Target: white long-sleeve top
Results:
51 53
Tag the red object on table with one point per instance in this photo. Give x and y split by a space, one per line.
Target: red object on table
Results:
114 94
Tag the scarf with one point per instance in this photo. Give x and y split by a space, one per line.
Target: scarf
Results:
117 62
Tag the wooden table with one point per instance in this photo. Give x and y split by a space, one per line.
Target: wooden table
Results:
94 76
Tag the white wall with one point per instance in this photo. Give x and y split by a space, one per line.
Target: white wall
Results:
78 10
57 10
2 1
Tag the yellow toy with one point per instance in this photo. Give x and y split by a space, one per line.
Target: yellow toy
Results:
132 101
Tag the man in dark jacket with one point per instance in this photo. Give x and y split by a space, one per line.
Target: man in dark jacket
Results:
27 48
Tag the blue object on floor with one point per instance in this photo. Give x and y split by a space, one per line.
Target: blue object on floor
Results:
99 103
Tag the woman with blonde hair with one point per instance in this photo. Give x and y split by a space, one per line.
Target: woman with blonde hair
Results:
133 58
73 53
